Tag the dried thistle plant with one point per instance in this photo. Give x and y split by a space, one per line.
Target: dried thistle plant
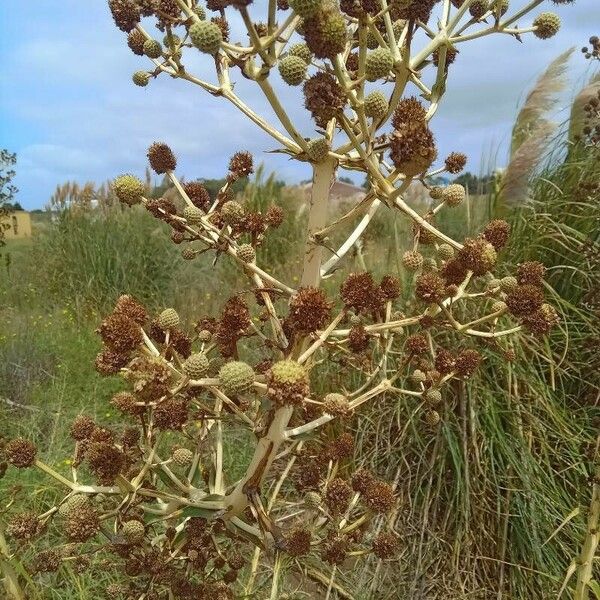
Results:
154 498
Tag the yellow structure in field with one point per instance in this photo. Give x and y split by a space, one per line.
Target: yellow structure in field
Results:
19 225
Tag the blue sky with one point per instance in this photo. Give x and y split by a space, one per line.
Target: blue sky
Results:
69 109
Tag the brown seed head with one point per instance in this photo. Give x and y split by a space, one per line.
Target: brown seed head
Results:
323 97
390 287
82 524
297 541
467 362
445 361
171 414
274 216
129 307
127 403
542 320
430 287
358 339
524 300
455 162
20 452
135 41
105 461
409 110
531 273
337 496
497 232
82 427
309 310
161 158
47 561
241 164
379 497
23 526
358 292
287 383
362 480
198 194
335 550
412 147
110 363
477 255
120 333
416 344
125 13
385 545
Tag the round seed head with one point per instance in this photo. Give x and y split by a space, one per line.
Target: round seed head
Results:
303 51
547 24
418 376
433 396
336 405
436 193
445 251
152 49
232 212
478 8
182 457
135 41
412 260
313 500
200 12
161 158
378 64
206 36
246 253
508 284
73 503
305 8
498 306
376 105
292 69
141 78
318 150
499 6
20 452
168 319
205 335
236 377
192 215
288 372
432 418
128 189
171 40
196 365
188 254
133 532
454 194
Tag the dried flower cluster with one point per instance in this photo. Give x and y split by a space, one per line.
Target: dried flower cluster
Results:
157 500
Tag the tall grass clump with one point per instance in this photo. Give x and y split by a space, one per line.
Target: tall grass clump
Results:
88 258
502 485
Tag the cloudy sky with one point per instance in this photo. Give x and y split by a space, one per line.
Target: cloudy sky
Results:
69 109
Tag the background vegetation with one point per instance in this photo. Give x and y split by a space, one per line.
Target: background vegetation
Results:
493 500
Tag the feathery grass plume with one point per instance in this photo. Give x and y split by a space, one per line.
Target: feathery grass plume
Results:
540 100
514 188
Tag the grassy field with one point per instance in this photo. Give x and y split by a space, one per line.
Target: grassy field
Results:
488 499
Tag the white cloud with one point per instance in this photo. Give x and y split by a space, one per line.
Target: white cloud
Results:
67 84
